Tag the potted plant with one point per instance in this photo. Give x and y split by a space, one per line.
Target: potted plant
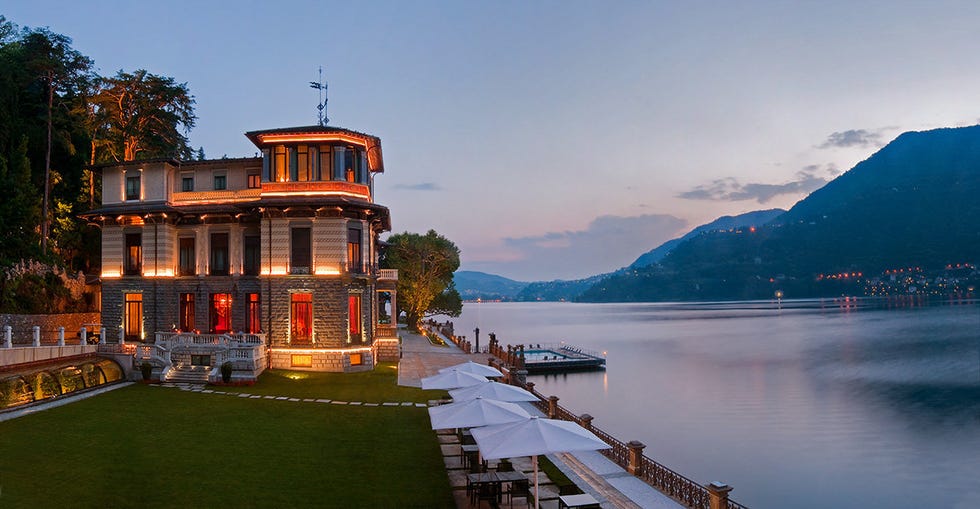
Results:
147 370
226 370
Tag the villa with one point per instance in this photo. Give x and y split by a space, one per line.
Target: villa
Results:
266 261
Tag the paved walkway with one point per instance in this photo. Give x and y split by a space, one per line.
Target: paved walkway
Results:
591 471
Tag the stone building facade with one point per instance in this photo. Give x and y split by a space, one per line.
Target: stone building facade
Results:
283 247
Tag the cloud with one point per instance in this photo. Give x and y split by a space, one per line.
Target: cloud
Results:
730 189
853 138
422 186
606 244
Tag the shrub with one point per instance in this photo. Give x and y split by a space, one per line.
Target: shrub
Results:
147 369
226 370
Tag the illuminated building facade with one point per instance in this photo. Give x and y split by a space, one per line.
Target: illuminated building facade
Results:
282 248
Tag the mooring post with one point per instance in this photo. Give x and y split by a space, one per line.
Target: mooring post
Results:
83 336
37 336
61 336
718 495
102 336
7 342
552 407
635 466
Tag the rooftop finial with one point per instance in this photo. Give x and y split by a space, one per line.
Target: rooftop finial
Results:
321 107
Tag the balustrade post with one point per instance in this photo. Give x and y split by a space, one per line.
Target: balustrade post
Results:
102 336
552 407
37 336
83 335
61 336
586 421
7 341
718 495
530 387
122 335
635 465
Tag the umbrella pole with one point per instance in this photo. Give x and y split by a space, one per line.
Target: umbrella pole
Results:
534 460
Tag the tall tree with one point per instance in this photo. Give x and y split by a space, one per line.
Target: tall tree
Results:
61 69
425 264
144 116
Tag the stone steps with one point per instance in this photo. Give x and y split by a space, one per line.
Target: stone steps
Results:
189 374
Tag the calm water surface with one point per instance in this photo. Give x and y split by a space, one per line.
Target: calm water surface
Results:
813 404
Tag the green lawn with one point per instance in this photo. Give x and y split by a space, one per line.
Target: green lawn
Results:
145 446
378 386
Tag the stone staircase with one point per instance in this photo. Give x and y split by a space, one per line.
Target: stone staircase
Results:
188 374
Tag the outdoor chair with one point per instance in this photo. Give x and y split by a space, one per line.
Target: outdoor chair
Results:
488 492
519 489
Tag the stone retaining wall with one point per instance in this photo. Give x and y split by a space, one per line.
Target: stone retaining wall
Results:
22 325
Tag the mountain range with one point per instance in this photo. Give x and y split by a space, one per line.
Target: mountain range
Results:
911 204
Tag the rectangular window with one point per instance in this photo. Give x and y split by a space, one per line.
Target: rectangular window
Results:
356 359
279 164
134 254
187 258
186 319
324 168
302 164
219 254
220 182
220 320
354 317
350 164
291 155
301 314
301 361
254 181
354 261
253 314
133 187
299 251
251 252
187 184
266 163
133 329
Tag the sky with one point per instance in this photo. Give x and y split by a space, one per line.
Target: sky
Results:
558 139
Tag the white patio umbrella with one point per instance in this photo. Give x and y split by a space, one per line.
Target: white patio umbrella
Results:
475 412
532 437
474 368
452 380
493 390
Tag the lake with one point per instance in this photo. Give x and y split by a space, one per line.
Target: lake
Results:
804 404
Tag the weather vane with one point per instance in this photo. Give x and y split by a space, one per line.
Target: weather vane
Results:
321 107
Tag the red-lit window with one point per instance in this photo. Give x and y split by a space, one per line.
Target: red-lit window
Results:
220 313
301 313
354 316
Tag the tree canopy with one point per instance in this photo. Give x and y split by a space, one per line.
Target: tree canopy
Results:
425 264
57 119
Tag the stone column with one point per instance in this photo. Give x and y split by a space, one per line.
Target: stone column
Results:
61 336
718 495
37 336
635 466
7 342
102 336
586 421
552 407
83 335
122 335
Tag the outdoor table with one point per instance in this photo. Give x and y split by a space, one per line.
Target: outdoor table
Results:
583 500
475 480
